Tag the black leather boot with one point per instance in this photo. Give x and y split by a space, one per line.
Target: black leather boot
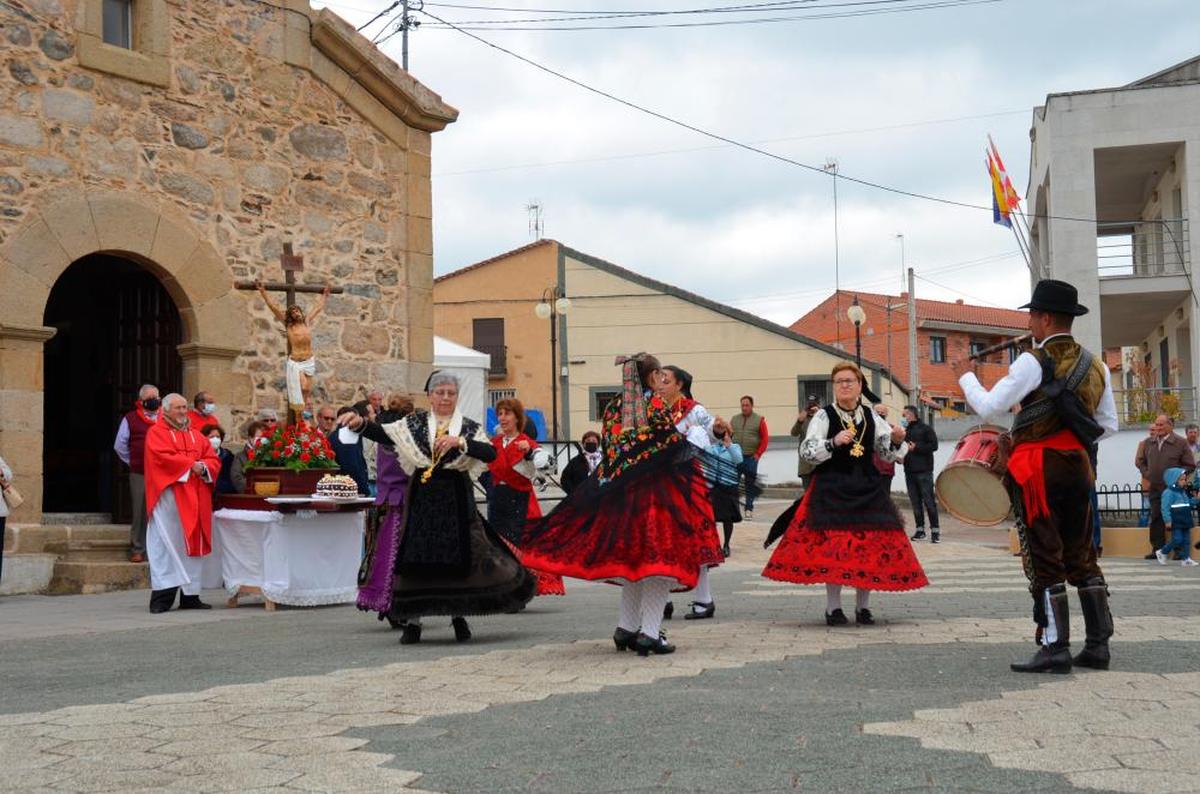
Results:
1098 624
1054 658
192 602
162 600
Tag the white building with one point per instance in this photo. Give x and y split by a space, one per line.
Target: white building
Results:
1113 175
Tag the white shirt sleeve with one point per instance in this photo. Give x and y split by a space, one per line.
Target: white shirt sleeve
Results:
814 448
121 445
883 442
5 472
1106 411
541 459
1023 377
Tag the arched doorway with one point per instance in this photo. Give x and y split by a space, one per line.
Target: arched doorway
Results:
117 328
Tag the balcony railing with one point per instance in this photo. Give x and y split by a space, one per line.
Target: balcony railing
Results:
499 354
1139 406
1143 249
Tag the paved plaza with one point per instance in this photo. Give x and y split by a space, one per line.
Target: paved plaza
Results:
99 695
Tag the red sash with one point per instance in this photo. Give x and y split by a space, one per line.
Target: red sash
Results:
1027 468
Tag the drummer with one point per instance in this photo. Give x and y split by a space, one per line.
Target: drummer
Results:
1050 475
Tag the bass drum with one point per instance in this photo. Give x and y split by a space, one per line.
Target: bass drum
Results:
971 486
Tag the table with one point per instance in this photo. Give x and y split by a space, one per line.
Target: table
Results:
299 558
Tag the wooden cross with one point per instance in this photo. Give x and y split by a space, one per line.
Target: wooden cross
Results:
291 264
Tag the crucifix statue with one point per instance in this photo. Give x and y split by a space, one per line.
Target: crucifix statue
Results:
301 364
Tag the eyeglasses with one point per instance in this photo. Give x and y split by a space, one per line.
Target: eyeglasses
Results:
845 382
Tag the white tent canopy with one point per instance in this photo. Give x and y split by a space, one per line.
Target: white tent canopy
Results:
471 367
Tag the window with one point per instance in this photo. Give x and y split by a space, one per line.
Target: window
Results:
977 347
496 395
117 24
488 337
599 398
937 350
1013 352
814 386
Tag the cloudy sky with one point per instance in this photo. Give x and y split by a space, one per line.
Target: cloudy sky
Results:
902 99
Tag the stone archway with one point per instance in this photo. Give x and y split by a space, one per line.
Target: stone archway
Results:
162 241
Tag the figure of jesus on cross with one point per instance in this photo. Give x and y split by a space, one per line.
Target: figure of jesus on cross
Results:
301 365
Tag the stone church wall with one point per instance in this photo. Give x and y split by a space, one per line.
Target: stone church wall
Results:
258 137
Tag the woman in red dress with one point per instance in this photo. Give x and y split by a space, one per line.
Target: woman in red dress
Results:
846 530
644 520
511 500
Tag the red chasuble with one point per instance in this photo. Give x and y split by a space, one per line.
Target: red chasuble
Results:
170 453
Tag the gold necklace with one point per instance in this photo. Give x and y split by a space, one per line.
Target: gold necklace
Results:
856 449
436 457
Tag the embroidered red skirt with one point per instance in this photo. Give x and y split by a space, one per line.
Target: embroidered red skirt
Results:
871 559
655 519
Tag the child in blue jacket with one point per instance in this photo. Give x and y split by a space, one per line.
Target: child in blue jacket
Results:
1177 515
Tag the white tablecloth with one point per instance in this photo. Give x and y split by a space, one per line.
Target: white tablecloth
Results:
299 559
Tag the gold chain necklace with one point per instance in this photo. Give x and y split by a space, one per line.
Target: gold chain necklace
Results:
856 449
436 457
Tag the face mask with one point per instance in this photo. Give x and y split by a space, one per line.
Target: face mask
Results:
903 422
209 409
307 416
215 441
151 404
590 446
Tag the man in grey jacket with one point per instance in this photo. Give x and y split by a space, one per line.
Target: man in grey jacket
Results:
1164 449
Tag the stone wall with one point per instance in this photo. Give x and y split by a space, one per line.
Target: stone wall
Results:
259 138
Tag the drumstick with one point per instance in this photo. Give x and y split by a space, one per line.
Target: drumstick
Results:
996 348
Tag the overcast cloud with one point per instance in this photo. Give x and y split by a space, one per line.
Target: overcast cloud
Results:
738 227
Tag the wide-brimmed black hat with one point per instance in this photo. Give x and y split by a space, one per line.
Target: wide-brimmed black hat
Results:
1055 296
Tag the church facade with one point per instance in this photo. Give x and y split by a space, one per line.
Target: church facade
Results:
152 153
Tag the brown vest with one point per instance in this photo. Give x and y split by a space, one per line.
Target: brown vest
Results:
1065 352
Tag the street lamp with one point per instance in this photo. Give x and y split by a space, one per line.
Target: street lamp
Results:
858 317
549 308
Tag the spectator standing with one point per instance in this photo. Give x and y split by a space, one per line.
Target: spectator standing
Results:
368 410
1163 450
216 437
918 473
722 475
237 475
6 477
1177 507
749 431
326 419
1192 433
350 454
130 446
375 399
886 468
799 429
203 411
580 467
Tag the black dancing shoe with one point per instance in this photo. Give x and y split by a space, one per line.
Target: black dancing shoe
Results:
1149 556
462 632
935 536
863 617
656 645
705 611
192 602
1048 659
725 552
624 639
918 535
836 618
668 610
411 634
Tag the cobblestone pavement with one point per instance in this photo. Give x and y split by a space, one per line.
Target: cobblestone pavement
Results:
763 698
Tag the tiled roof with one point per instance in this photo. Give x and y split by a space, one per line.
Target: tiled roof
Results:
946 311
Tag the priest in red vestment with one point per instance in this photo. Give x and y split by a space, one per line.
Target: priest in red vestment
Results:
181 470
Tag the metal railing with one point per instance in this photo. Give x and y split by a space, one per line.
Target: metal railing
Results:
545 484
1126 501
499 354
1139 406
496 395
1143 248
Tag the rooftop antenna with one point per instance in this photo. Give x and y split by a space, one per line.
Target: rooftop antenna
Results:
536 225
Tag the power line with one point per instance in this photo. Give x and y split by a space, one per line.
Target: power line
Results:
959 292
692 149
638 12
727 140
926 6
384 12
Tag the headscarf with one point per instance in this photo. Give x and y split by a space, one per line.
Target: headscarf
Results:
633 392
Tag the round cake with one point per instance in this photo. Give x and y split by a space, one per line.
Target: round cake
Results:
337 486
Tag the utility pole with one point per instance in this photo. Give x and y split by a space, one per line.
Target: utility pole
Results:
914 379
831 167
900 237
407 23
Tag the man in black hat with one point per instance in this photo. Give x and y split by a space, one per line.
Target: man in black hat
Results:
1066 406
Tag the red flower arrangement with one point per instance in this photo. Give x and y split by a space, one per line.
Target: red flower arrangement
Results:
294 447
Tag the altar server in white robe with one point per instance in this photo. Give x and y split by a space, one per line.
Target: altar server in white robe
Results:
181 470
